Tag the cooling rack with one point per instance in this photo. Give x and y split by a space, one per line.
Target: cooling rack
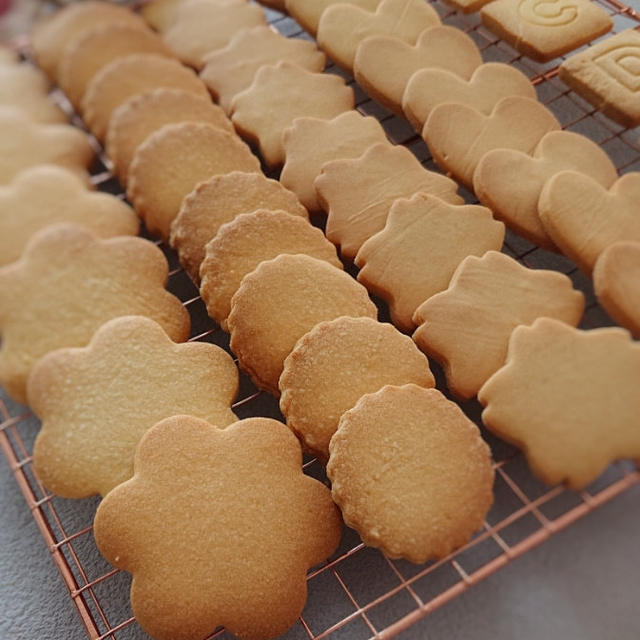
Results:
358 593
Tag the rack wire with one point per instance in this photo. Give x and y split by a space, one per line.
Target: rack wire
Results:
358 593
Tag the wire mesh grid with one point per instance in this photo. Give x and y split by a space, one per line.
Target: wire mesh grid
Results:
358 593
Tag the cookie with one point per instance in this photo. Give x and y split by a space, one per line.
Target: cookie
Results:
248 572
8 56
467 6
450 127
616 279
274 4
231 70
308 12
343 27
583 218
468 326
130 76
69 282
510 182
160 14
572 424
201 26
94 49
606 75
337 363
172 161
422 243
279 302
383 65
249 239
310 142
357 194
488 84
218 201
278 95
47 194
545 32
25 143
411 473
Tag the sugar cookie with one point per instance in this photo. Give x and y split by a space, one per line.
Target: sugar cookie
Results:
219 200
248 571
308 12
383 65
8 56
357 194
411 473
310 142
173 160
67 284
450 127
161 14
278 95
573 423
292 293
583 218
334 365
343 27
422 243
467 327
249 239
467 6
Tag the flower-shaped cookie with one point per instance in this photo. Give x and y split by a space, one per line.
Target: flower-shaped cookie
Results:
217 528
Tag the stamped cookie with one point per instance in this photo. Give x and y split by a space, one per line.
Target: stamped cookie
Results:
573 423
510 182
249 239
91 423
337 363
201 26
357 194
343 27
47 194
25 143
616 279
278 95
279 302
546 29
468 326
129 76
422 243
383 65
218 201
411 473
248 573
583 218
172 161
310 143
308 12
607 75
66 285
488 84
231 70
450 127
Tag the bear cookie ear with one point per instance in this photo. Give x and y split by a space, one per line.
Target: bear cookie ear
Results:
218 528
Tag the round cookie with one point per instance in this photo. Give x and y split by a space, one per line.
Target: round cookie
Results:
172 161
219 200
249 239
279 302
160 14
334 365
410 472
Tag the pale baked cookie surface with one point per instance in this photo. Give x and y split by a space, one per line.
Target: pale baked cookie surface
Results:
410 472
468 326
334 365
161 14
293 293
218 544
172 161
358 193
573 423
422 243
91 419
67 284
218 201
308 12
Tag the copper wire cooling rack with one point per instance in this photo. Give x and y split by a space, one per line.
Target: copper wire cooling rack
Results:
358 593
